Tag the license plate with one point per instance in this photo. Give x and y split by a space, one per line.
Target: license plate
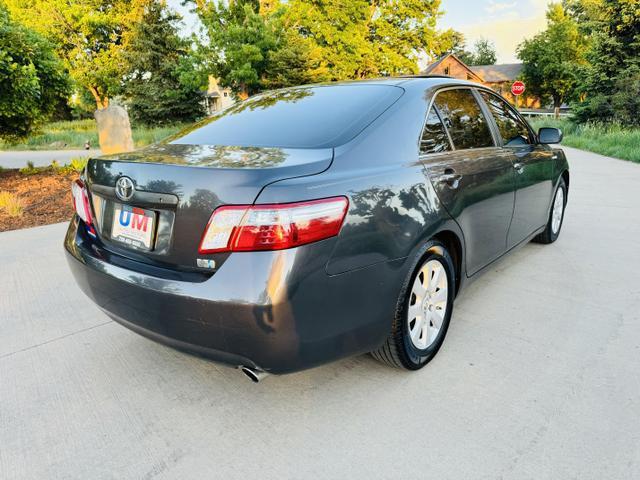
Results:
133 226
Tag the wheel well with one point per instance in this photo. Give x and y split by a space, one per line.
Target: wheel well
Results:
451 241
565 177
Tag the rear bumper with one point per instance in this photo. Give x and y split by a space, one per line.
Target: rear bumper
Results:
275 311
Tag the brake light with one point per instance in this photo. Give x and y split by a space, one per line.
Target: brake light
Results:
81 201
243 228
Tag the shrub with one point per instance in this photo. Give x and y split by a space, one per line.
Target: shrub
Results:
76 165
12 204
30 169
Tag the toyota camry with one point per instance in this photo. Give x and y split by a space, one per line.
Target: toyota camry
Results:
312 223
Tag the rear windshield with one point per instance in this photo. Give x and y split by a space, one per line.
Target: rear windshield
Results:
302 117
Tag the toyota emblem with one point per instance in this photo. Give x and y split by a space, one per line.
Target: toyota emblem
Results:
125 188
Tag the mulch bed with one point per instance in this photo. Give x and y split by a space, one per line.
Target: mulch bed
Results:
46 196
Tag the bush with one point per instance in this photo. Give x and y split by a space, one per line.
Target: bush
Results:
30 169
76 165
33 82
11 204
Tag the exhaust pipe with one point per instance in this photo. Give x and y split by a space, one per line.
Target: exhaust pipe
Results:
253 374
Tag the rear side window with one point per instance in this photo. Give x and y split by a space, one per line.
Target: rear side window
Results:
512 128
303 117
464 119
434 137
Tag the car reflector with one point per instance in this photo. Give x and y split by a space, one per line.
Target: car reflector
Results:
81 201
244 228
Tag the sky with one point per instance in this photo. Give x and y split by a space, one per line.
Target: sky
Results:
505 22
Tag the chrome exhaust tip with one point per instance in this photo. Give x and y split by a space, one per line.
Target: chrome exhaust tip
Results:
253 374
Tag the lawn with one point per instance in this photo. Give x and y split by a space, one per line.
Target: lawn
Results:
74 134
610 140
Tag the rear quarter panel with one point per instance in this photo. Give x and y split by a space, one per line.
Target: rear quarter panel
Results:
393 209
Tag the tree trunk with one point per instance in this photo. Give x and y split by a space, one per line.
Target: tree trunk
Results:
557 103
243 94
102 102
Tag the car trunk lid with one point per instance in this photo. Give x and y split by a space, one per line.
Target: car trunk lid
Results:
181 185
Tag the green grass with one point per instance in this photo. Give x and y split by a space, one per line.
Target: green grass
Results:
74 134
610 140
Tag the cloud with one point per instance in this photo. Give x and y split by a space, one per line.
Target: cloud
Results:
507 24
495 7
506 33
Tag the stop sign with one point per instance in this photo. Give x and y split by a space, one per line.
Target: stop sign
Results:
517 88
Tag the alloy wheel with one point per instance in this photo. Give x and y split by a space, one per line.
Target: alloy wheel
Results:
427 304
558 207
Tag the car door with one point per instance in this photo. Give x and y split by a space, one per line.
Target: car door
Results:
533 165
474 179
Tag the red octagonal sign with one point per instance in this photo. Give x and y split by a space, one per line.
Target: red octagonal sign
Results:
517 88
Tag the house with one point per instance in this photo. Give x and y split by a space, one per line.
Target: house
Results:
216 97
497 77
452 66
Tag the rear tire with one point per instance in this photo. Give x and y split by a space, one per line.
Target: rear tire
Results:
423 311
556 216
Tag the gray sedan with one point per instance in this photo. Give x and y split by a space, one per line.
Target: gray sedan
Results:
307 224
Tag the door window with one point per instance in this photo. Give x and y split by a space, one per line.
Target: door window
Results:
512 128
434 136
464 119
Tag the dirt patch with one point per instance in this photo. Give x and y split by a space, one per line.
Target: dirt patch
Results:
46 197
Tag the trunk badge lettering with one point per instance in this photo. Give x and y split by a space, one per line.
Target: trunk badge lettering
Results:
125 188
205 263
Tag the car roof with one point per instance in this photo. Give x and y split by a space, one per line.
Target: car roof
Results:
419 81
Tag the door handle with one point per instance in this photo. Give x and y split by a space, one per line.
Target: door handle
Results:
450 177
519 167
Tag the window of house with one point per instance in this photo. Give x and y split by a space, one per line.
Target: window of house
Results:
513 129
446 70
434 137
464 119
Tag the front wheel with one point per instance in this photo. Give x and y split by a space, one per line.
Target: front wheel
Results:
556 216
423 312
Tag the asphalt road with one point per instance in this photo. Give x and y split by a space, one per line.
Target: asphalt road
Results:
41 158
538 378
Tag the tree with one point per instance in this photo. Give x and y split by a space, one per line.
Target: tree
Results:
262 44
89 35
368 38
33 81
484 51
161 83
553 58
610 84
250 49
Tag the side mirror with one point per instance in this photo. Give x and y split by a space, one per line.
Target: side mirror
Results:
550 135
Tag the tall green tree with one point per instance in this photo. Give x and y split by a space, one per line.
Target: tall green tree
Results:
89 35
249 49
610 85
553 58
483 53
161 81
368 38
33 81
258 44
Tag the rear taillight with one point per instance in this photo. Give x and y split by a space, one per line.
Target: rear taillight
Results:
81 201
243 228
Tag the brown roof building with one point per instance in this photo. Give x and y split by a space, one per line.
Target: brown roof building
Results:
497 77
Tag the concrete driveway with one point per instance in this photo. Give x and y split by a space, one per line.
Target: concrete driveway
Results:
538 378
41 158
